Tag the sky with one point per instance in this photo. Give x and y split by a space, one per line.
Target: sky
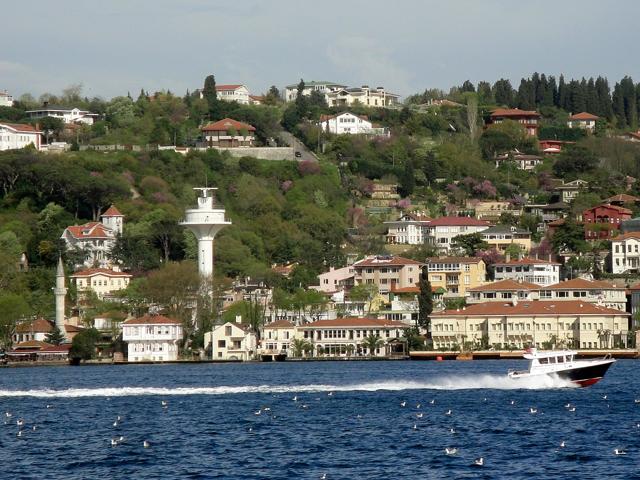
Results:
112 47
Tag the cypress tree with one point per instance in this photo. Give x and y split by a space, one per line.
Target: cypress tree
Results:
425 299
485 95
605 107
552 92
591 96
503 92
526 98
210 94
467 86
618 106
561 101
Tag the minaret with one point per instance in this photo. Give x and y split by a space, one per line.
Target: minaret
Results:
205 222
60 293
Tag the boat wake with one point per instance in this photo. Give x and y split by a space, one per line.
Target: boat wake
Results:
495 382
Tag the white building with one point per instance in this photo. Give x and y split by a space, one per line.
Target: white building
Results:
592 291
233 93
345 336
625 253
232 341
276 338
291 91
101 281
370 97
349 123
95 239
571 190
35 330
152 338
6 100
441 231
18 135
584 120
531 270
410 229
67 115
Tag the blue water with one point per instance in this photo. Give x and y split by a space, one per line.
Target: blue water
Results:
209 427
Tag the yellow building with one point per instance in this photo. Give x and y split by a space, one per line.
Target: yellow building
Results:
502 236
456 274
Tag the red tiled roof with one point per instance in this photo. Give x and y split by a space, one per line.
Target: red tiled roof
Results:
112 211
581 284
32 344
611 207
528 261
228 87
152 320
100 271
508 285
280 324
64 348
20 127
626 236
72 328
458 222
37 326
88 230
583 116
227 123
354 322
528 308
622 198
454 260
513 112
380 261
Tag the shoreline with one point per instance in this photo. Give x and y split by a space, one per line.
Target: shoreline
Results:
418 355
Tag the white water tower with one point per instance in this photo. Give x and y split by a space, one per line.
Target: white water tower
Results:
205 222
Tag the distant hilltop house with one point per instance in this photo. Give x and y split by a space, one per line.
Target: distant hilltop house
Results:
369 97
6 100
291 91
603 222
101 281
67 115
523 161
409 229
441 231
19 135
501 237
228 133
584 120
552 147
95 239
530 120
570 190
349 123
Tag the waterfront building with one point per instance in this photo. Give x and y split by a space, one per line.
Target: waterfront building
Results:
387 272
531 270
152 338
67 115
19 135
593 291
277 337
33 330
519 324
345 336
39 351
503 291
456 275
232 341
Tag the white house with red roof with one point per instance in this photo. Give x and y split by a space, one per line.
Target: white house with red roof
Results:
232 341
409 229
584 120
351 124
346 336
95 239
18 135
276 338
387 272
530 270
34 330
101 281
625 253
440 232
228 133
152 338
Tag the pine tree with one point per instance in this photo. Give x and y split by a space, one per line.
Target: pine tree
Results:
618 106
551 93
605 107
591 96
407 179
561 101
425 299
301 100
485 95
55 337
467 86
503 92
210 94
526 97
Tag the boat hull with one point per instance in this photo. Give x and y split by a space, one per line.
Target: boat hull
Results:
581 375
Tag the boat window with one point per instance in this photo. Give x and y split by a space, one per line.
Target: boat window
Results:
544 361
552 359
560 359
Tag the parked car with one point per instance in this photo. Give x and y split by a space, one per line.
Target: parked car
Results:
298 154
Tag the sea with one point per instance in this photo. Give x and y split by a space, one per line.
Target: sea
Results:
316 420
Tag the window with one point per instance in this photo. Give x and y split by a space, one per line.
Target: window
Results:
222 343
227 330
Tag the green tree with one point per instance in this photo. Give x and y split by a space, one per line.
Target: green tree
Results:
469 244
372 343
300 346
364 293
407 180
55 337
425 299
13 309
83 345
210 95
575 160
569 237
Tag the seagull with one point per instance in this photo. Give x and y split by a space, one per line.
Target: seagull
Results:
250 429
562 444
19 434
452 430
604 397
115 424
259 412
513 402
20 422
114 442
637 400
8 414
484 399
164 403
533 410
323 477
450 451
403 404
120 439
433 401
572 409
304 405
479 461
146 444
330 394
34 428
619 451
448 412
267 409
568 405
49 406
415 427
295 399
418 405
419 415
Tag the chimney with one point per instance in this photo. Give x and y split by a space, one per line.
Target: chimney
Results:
45 104
238 318
507 257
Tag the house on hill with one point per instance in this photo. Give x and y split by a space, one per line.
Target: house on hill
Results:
530 270
370 97
103 282
456 275
530 120
584 120
387 272
228 133
349 123
67 115
441 231
233 93
603 222
19 135
291 91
